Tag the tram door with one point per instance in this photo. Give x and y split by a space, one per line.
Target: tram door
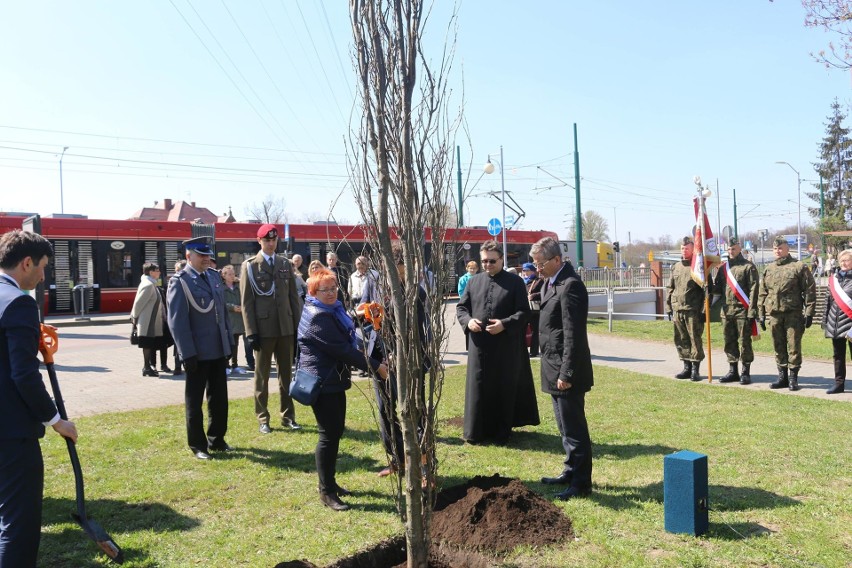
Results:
72 264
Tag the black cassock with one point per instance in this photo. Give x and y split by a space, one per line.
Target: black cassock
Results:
499 392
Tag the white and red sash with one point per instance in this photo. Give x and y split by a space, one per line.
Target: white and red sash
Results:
740 294
841 298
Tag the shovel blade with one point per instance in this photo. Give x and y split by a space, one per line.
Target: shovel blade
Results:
97 533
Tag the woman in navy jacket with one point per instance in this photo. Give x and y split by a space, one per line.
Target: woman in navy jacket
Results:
327 349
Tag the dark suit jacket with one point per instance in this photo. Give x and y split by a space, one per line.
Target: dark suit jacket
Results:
562 334
24 401
276 315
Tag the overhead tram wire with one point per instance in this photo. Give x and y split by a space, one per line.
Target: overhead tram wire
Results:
269 76
164 141
160 152
234 83
319 59
334 45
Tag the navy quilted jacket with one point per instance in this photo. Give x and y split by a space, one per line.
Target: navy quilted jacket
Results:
326 351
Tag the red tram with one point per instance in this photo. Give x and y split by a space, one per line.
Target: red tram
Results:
107 255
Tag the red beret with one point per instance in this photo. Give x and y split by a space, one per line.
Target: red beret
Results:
267 231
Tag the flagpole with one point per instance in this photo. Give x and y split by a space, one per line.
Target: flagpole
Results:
702 193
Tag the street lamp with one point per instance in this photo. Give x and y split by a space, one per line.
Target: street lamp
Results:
489 169
799 207
61 193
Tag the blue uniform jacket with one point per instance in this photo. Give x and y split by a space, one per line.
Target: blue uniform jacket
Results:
24 401
203 335
326 351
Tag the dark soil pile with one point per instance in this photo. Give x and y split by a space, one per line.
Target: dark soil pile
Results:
496 514
488 515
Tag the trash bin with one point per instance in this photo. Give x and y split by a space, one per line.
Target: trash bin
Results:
80 297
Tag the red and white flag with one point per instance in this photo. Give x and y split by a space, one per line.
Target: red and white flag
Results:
706 253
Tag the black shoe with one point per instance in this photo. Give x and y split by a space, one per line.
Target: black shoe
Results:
574 492
150 373
695 365
223 447
203 455
745 376
794 379
165 369
563 478
732 376
686 372
265 429
783 381
343 492
333 502
288 424
838 388
250 368
178 372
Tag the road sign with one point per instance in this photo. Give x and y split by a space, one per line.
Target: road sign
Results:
747 245
494 227
727 232
510 222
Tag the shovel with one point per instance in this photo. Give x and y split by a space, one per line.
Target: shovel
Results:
48 346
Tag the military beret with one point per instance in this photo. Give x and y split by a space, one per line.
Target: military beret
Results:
733 241
267 231
199 245
687 241
779 240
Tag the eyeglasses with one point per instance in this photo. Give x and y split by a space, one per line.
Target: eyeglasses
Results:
489 261
541 264
332 290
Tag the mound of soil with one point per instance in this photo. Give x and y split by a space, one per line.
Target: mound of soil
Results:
496 514
471 523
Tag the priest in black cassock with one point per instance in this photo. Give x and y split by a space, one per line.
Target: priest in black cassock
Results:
499 393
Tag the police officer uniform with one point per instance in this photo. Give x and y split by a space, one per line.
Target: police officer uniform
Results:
787 299
685 306
202 333
737 317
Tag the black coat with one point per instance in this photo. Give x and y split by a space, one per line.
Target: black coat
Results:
835 322
499 392
563 340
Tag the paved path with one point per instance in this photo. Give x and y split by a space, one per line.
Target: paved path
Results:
99 371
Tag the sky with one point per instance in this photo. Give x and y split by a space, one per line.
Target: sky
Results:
225 103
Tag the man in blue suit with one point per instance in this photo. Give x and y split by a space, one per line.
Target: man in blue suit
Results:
202 333
25 406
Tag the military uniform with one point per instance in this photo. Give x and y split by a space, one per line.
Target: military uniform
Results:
271 312
737 319
202 334
787 300
685 306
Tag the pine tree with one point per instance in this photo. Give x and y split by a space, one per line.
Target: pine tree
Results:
835 168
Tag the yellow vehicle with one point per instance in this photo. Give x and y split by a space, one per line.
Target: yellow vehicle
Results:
595 254
606 255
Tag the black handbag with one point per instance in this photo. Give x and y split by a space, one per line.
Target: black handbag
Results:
305 387
134 336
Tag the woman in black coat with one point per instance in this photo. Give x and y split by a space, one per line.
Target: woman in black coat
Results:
837 321
327 349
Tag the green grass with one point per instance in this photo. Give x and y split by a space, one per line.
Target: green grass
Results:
779 482
814 343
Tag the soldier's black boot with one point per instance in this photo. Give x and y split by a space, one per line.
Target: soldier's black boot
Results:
687 371
837 388
794 379
745 376
695 365
732 376
782 381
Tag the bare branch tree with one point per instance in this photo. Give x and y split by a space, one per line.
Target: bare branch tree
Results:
835 17
271 210
401 162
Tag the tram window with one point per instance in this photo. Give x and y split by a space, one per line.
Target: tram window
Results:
118 268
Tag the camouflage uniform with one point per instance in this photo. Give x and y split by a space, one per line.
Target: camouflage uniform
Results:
736 318
787 296
685 301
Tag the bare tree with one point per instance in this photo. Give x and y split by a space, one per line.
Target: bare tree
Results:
401 162
595 227
271 210
834 17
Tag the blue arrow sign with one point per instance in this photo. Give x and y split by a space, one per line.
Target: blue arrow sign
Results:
494 227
